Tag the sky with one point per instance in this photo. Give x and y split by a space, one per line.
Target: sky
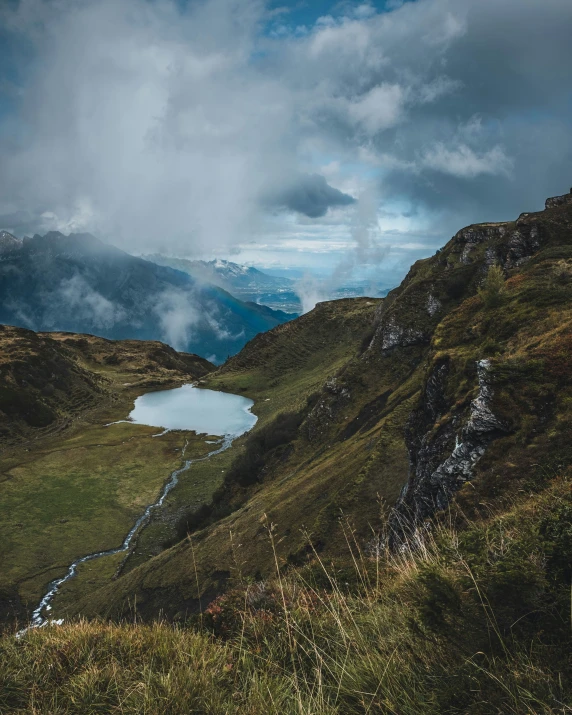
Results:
345 139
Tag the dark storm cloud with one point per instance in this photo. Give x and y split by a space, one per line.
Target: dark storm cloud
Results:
183 128
501 141
312 196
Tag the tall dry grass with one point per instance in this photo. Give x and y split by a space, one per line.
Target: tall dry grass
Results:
476 621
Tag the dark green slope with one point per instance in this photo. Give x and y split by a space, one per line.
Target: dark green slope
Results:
450 380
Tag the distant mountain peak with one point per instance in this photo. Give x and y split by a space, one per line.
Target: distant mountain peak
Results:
9 242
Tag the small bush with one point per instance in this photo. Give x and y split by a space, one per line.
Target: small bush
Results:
493 287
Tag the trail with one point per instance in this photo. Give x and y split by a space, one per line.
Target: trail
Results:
38 619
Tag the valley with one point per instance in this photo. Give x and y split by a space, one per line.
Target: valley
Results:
70 484
285 357
81 284
410 454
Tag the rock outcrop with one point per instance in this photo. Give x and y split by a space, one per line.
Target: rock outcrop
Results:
9 243
443 454
333 397
556 201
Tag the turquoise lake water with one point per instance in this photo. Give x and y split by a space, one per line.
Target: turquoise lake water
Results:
192 408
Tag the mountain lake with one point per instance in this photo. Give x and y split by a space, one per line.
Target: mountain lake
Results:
192 408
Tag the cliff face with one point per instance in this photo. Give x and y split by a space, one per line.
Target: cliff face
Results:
467 401
443 459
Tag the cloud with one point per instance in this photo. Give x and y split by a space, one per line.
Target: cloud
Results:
465 163
364 250
379 109
178 315
181 127
312 290
311 195
182 314
78 299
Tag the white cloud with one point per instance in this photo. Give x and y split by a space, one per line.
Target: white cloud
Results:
178 316
84 303
465 163
379 109
164 130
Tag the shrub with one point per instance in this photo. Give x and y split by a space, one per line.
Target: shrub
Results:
247 467
493 287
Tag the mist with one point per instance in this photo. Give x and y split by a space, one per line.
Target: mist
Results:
198 128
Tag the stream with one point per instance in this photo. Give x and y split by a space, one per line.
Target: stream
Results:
189 408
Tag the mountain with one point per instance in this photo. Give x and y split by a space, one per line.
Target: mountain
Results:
9 243
452 379
393 536
250 284
77 283
244 282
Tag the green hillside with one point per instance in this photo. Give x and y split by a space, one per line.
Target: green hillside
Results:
378 402
394 535
69 485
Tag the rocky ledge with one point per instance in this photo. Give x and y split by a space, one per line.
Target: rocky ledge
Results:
556 201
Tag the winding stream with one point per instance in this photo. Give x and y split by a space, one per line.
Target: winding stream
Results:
188 408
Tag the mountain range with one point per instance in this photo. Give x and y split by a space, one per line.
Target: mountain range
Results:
78 283
251 284
244 282
448 381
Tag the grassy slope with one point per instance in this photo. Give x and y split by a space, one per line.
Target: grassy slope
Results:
72 486
285 367
49 380
351 448
476 620
278 370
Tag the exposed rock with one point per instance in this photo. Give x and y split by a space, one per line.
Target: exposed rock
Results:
521 245
434 479
391 334
324 412
556 201
472 236
433 304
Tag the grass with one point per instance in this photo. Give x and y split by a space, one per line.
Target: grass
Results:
353 447
472 619
280 369
350 453
195 489
79 495
69 485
